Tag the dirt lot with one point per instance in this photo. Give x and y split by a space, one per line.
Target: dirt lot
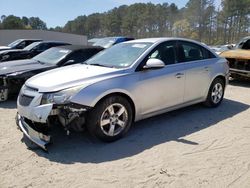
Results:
191 147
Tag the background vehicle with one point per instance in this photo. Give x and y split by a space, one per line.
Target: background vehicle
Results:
93 40
110 41
221 48
19 44
29 51
239 59
14 73
125 83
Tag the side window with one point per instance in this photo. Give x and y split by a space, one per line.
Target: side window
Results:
246 45
78 56
28 42
55 44
21 45
91 52
43 47
189 52
164 52
207 54
86 54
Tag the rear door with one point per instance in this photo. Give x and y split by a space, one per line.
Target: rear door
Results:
198 69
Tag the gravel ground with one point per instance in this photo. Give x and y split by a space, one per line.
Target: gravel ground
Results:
190 147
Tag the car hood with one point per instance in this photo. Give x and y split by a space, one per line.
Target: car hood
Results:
9 67
4 47
71 76
236 54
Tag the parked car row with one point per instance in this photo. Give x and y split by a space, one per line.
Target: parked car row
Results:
117 86
30 51
19 44
13 74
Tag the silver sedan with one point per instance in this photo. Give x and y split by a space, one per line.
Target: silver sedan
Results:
123 84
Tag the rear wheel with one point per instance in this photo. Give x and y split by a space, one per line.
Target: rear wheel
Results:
216 93
110 119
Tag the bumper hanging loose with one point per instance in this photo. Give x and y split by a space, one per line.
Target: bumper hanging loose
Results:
36 137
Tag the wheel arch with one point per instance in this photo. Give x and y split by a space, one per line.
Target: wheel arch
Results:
118 93
221 76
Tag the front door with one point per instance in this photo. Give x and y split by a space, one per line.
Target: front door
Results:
164 87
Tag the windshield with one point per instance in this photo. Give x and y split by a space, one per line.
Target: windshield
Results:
52 55
16 42
119 56
105 42
31 46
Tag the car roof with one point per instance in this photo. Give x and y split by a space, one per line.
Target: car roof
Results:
30 39
161 39
79 47
51 41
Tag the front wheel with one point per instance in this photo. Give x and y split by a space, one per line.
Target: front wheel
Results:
216 93
110 119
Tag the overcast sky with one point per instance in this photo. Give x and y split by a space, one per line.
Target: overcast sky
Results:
58 12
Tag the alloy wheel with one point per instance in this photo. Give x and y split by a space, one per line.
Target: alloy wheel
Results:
114 119
217 93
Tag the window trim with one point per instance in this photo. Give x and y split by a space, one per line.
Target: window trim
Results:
204 51
143 62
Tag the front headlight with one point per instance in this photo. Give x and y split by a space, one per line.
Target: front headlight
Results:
16 73
61 97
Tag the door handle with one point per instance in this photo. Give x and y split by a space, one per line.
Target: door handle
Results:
179 75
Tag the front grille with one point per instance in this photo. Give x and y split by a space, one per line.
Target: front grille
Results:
240 64
25 100
39 127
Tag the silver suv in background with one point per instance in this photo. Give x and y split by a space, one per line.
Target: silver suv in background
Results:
125 83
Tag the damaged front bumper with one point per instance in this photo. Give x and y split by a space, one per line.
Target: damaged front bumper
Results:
34 115
38 138
243 73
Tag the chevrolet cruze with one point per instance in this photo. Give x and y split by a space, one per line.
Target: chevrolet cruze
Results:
120 85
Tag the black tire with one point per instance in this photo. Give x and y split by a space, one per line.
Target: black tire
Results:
16 120
95 116
209 101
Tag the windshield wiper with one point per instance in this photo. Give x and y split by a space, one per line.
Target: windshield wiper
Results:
101 65
40 62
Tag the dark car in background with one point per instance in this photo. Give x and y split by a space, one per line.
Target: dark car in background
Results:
19 44
111 41
14 73
29 51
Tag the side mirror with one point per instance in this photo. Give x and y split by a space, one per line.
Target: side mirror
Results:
69 62
154 64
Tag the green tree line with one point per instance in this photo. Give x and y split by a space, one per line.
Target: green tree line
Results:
15 22
199 19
